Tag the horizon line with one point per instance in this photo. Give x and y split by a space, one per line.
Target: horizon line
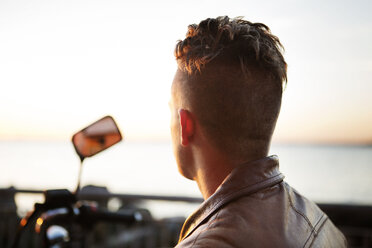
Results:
168 140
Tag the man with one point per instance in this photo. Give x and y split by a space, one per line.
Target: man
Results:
226 98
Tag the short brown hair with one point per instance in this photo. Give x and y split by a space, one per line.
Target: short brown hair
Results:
235 71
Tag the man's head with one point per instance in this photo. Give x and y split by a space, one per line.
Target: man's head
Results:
229 78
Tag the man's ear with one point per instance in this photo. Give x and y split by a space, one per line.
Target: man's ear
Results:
187 126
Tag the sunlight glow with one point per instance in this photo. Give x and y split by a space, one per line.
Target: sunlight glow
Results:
65 64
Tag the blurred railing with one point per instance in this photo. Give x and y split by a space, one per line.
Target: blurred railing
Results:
355 221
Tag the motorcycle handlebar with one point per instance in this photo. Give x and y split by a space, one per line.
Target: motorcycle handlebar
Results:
60 208
89 214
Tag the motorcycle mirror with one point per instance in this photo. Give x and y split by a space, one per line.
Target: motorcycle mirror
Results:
96 137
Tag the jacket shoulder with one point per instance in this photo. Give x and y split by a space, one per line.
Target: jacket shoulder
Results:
322 232
277 215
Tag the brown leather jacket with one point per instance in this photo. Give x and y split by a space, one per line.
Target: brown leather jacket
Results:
254 207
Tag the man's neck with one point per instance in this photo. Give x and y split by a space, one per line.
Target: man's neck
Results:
211 165
211 176
212 171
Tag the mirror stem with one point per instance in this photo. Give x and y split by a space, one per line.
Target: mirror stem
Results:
79 178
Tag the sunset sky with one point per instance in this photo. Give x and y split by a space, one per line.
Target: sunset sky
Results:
65 64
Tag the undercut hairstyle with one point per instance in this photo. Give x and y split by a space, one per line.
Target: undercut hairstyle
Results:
233 76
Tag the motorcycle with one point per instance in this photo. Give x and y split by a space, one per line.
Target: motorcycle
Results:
67 219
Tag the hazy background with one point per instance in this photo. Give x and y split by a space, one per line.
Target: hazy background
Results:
65 64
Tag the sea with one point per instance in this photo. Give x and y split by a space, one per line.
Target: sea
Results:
323 173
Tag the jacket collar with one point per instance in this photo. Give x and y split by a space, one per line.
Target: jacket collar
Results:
243 180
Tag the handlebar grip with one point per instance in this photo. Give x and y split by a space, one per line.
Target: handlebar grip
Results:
91 214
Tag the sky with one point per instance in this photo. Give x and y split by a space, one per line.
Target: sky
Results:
65 64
